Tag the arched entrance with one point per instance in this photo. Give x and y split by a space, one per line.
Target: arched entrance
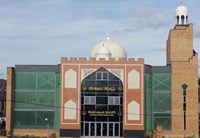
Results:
101 105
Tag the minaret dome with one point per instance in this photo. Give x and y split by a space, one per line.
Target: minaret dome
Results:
181 15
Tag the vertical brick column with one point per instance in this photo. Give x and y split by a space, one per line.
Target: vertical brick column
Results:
9 100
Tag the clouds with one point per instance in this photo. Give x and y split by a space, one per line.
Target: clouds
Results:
145 17
40 32
197 30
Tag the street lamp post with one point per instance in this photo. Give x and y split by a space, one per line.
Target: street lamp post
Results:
47 121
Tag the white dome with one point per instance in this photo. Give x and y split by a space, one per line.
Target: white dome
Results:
102 52
116 50
181 10
181 15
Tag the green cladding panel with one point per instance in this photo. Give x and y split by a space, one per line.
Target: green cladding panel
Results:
57 113
157 101
162 100
25 81
36 97
148 102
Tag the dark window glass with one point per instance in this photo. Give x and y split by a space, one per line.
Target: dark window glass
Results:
105 76
116 129
86 129
89 118
92 129
90 93
102 94
90 83
104 129
121 100
184 106
81 129
114 83
184 99
114 119
98 130
102 118
101 100
102 83
121 128
82 107
110 129
98 76
101 108
82 117
114 107
89 107
82 100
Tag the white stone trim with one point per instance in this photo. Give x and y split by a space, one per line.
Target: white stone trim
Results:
133 80
70 79
133 111
70 110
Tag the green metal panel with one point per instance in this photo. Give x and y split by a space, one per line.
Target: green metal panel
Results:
57 112
33 119
162 100
46 81
161 82
36 98
163 119
45 100
41 123
24 119
148 101
25 100
25 81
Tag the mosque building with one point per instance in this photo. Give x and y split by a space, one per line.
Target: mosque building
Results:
109 95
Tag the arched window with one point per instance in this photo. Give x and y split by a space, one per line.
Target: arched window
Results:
186 19
182 19
177 18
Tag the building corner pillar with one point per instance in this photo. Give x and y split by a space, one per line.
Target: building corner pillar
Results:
9 100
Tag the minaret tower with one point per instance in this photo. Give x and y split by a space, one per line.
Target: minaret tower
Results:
180 40
184 70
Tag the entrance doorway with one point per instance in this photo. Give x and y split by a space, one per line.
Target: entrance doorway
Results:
101 105
102 129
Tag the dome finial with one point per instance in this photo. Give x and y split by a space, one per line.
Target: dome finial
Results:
181 2
108 36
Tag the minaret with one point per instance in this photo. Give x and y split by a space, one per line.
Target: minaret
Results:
184 74
180 40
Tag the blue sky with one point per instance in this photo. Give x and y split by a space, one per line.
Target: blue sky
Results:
42 31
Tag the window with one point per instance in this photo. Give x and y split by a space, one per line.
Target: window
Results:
89 100
101 75
98 76
184 87
184 98
101 100
114 100
105 76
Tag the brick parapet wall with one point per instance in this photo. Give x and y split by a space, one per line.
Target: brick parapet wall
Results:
83 60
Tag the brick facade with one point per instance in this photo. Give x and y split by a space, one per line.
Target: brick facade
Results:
184 63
